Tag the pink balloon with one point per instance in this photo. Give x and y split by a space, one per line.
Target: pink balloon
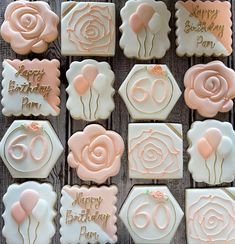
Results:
89 72
145 12
81 84
136 23
18 213
214 137
28 200
204 148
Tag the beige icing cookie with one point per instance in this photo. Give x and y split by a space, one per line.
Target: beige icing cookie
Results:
145 28
88 215
203 28
87 28
95 153
210 215
155 151
29 213
150 92
29 26
151 214
30 148
210 88
90 90
30 87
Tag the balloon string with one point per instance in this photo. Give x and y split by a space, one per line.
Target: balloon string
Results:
145 38
150 50
22 237
215 167
221 170
97 104
36 235
83 107
139 46
29 229
90 103
208 171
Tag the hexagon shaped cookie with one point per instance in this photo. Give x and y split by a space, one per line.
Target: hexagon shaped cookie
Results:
30 149
151 214
150 92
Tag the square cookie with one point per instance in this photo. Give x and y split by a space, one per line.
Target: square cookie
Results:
204 28
155 151
210 215
88 215
87 28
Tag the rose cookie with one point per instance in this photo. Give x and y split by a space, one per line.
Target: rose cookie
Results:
87 28
31 87
151 214
90 90
95 153
203 28
210 88
155 151
88 215
150 92
29 213
210 215
29 26
211 147
30 149
145 28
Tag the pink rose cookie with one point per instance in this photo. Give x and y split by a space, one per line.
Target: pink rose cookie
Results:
88 28
95 153
210 215
29 26
210 88
31 87
29 213
151 214
203 28
88 215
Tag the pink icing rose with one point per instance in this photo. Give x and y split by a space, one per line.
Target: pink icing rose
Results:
95 153
158 195
29 26
34 126
209 88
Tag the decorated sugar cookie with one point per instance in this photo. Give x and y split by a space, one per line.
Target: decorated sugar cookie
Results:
30 149
210 215
203 28
31 87
151 214
95 153
90 90
150 92
29 26
155 151
88 215
210 88
88 28
145 28
212 152
29 213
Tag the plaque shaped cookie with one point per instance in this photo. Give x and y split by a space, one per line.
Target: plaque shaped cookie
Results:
88 28
150 92
29 213
90 90
30 149
145 28
29 26
151 214
203 28
31 87
88 215
155 151
210 215
212 152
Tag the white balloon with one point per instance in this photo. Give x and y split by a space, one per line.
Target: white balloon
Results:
225 147
100 83
40 209
155 23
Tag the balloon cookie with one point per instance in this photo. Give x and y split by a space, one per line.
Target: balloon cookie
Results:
87 28
29 26
29 213
203 28
145 28
210 88
212 152
90 90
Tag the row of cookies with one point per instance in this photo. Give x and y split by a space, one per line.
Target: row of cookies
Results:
89 214
88 28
